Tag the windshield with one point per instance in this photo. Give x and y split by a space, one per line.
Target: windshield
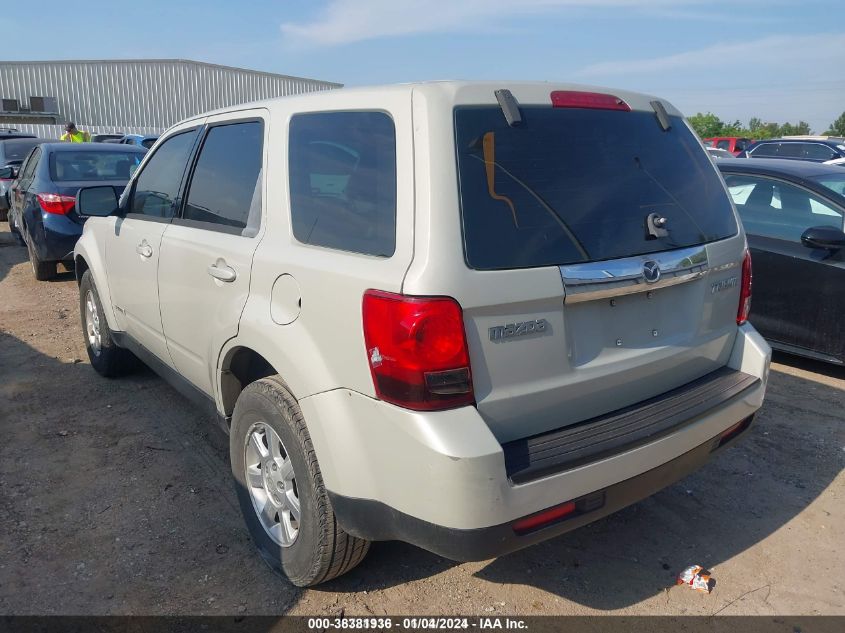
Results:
834 183
87 165
577 185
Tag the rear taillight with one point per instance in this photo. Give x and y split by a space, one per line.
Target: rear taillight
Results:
417 350
55 203
744 291
590 100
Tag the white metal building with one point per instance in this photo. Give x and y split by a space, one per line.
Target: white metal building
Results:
138 96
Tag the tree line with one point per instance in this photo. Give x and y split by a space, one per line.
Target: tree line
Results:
709 125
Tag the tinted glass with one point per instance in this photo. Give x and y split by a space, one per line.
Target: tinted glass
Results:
576 185
17 150
29 167
834 183
773 208
148 142
85 165
226 186
157 187
724 144
343 181
766 149
818 151
791 150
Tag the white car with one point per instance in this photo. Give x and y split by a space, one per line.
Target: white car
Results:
469 316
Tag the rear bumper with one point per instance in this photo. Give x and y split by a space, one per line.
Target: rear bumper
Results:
55 237
440 480
376 521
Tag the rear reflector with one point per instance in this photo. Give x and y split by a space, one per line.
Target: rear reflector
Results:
730 433
544 518
744 291
55 203
417 350
589 100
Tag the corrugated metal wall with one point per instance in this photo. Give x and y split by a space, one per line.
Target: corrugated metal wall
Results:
55 131
152 94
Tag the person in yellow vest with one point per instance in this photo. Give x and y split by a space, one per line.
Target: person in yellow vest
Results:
72 135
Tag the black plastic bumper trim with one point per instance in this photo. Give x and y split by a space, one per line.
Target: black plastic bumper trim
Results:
541 455
376 521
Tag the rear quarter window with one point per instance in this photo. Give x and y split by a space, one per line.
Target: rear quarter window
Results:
765 150
576 185
343 181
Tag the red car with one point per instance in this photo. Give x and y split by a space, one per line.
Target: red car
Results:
734 144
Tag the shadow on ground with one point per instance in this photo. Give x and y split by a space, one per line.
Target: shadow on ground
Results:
14 253
736 501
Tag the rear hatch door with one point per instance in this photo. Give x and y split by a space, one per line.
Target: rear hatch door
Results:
616 253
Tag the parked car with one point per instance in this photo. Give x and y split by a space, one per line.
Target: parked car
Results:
793 215
516 313
732 144
138 139
43 210
7 133
816 150
12 153
106 138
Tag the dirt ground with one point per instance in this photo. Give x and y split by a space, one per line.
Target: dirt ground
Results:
116 498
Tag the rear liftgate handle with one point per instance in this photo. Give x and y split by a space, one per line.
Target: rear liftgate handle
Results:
222 271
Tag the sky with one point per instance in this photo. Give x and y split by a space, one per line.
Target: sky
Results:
773 59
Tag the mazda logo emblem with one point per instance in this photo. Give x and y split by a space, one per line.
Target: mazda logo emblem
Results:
651 271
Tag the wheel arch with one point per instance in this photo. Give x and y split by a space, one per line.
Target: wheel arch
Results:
240 365
89 260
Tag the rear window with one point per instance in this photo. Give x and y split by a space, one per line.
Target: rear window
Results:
17 150
575 185
87 165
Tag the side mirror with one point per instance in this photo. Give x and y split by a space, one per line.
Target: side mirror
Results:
8 173
826 237
98 202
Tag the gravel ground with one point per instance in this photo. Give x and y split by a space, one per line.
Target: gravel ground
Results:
116 498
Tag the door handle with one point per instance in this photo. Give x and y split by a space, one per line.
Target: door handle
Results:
222 271
144 249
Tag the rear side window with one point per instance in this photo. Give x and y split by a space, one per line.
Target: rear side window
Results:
818 151
791 150
157 187
225 189
774 208
766 149
724 144
343 181
576 185
29 166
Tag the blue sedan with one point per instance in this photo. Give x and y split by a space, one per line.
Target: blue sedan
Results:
43 197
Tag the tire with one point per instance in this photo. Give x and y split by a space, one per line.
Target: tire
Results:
43 271
106 357
320 550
